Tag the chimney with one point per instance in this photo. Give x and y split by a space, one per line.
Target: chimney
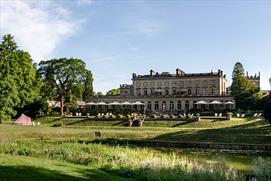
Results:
151 72
177 72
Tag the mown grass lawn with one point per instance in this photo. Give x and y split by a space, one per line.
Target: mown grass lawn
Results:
25 168
233 131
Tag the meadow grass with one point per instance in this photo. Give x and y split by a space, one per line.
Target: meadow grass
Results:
138 163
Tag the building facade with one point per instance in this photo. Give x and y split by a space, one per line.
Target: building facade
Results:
254 79
165 92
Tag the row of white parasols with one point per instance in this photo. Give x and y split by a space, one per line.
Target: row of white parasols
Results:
214 102
140 103
115 103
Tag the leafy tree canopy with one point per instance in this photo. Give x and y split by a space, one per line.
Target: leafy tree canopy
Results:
65 80
19 83
98 94
88 88
247 94
113 92
267 109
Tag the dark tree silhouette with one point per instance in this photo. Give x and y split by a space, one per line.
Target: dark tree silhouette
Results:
267 109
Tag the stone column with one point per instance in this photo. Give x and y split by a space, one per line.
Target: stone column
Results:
175 105
183 105
191 104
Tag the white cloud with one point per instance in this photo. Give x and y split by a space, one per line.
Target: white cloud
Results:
37 27
144 27
84 2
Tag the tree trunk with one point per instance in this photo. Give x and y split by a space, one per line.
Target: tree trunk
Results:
62 106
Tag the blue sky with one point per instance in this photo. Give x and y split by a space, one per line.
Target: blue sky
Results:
118 38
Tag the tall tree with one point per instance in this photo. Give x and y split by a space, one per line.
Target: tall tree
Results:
245 92
238 70
63 78
19 84
88 91
238 79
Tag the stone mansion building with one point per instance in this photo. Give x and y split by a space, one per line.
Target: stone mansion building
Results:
179 92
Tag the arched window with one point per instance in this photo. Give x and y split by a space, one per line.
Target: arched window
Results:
179 105
163 105
149 105
171 105
187 105
156 105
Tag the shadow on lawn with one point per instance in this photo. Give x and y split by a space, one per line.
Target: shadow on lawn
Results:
54 120
181 123
246 133
79 121
29 173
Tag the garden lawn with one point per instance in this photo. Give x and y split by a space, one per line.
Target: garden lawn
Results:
22 168
208 131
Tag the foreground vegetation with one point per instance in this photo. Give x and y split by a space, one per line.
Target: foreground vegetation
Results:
78 160
67 149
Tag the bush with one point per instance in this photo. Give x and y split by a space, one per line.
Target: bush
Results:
54 113
57 125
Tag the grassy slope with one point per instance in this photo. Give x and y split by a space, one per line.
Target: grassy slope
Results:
29 168
234 131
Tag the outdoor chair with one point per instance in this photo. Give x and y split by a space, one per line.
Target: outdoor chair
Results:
220 115
238 115
215 114
243 115
255 115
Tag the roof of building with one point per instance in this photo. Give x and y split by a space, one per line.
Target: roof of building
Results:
182 74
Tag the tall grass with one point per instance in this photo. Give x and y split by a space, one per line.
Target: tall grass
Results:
138 163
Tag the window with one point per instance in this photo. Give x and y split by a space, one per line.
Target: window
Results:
149 106
171 105
211 106
145 92
156 105
167 92
159 91
189 91
152 91
196 91
138 90
187 105
212 92
194 105
163 105
179 105
174 91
